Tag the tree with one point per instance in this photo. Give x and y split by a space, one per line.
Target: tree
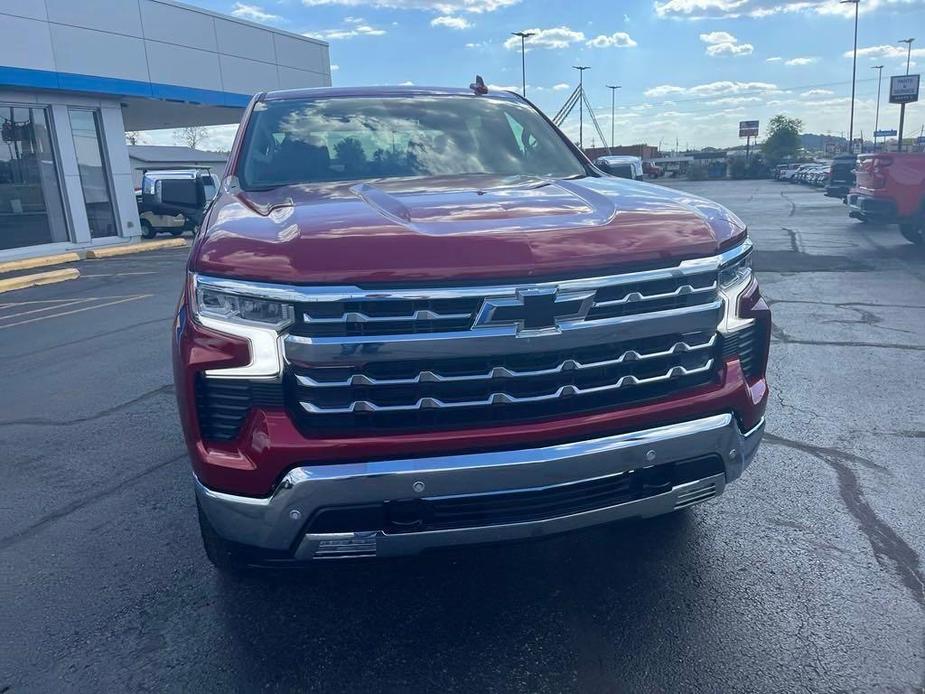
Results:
133 137
783 140
193 135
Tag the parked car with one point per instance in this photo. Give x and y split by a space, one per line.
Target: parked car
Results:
890 188
787 171
184 215
651 170
621 166
841 175
379 352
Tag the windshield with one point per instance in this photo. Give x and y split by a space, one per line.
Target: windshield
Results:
347 139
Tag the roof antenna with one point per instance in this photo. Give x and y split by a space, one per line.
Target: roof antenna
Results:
479 85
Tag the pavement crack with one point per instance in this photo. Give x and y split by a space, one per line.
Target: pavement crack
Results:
43 422
793 205
890 550
78 504
794 241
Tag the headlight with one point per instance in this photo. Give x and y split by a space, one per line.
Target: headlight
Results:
737 272
213 303
734 278
259 321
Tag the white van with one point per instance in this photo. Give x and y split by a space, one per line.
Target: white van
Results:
622 166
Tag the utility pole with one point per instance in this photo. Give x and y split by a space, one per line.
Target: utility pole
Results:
854 71
902 107
524 35
581 108
879 69
613 91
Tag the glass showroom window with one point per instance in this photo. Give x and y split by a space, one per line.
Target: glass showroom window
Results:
31 211
94 177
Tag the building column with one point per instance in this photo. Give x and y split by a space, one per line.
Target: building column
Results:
70 186
120 169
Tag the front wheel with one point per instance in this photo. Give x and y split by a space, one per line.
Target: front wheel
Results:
914 232
147 231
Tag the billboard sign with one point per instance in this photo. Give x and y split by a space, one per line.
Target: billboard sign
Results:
748 128
885 133
904 89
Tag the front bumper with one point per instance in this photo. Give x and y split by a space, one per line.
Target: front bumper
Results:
874 209
281 522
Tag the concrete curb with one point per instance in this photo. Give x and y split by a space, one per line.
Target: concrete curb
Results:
141 247
36 279
41 261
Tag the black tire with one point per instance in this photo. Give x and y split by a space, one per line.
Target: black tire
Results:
176 232
914 232
224 555
147 231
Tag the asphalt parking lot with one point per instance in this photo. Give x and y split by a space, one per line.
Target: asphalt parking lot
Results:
805 576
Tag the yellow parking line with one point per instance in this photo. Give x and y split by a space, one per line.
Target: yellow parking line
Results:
76 310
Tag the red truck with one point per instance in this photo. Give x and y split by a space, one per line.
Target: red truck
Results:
890 188
418 318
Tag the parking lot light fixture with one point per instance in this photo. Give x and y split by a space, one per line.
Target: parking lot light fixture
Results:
908 43
879 69
854 71
524 35
613 90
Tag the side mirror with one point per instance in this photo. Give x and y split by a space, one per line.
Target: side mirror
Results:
605 167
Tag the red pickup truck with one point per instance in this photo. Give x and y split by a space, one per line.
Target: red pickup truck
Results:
417 318
890 188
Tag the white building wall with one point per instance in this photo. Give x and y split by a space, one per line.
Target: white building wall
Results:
103 53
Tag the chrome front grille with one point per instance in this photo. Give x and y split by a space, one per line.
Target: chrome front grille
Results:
448 391
413 312
370 360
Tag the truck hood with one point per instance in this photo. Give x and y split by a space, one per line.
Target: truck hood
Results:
459 228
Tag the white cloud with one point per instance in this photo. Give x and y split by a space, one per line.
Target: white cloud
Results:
817 92
450 22
443 6
254 13
886 51
356 27
619 39
335 67
504 87
555 37
712 9
799 62
724 43
773 59
736 100
711 89
560 86
406 83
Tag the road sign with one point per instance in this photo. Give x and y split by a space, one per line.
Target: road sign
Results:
885 133
904 89
748 128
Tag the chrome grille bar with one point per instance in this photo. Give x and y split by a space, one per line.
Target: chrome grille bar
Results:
504 398
500 372
633 297
357 317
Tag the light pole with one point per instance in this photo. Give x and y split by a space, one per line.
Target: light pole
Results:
902 107
854 71
879 69
524 35
581 104
613 91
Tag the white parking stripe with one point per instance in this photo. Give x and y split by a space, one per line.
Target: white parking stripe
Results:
76 310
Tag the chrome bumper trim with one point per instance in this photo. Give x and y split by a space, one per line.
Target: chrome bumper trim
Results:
277 521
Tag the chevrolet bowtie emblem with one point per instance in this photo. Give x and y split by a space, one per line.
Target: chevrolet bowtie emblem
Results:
534 311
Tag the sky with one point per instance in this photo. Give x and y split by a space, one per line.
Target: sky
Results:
689 70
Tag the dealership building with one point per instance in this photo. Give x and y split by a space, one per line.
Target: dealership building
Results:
75 76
